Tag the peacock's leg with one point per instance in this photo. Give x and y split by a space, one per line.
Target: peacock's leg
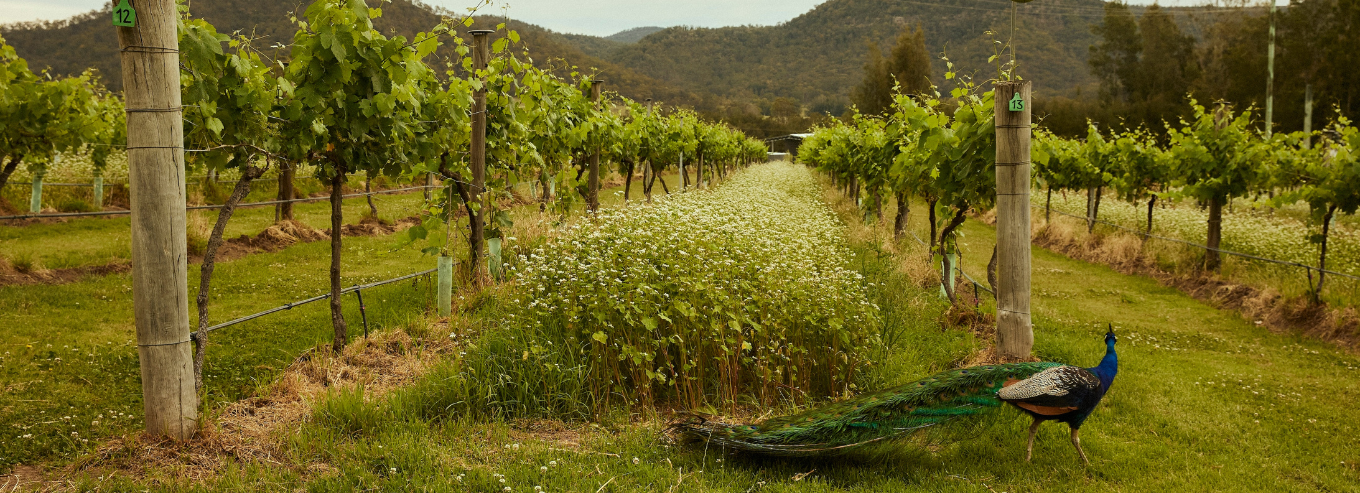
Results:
1076 442
1033 429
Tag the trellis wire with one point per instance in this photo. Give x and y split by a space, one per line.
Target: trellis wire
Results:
295 304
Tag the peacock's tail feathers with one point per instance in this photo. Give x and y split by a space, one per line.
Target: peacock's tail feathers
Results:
875 417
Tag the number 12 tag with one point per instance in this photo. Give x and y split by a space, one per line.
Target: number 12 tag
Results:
123 15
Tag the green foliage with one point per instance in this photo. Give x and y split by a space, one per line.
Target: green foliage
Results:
229 97
1058 163
1217 156
922 150
1142 168
353 93
41 116
1327 177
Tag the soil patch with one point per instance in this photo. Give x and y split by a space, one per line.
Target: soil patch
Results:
7 209
554 433
9 276
287 233
275 238
21 477
372 226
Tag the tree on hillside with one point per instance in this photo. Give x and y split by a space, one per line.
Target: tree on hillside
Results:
873 95
1166 69
907 69
1114 60
910 62
1233 59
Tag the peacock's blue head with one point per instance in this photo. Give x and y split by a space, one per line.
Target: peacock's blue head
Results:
1110 337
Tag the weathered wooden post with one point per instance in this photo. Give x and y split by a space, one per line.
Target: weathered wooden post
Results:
149 53
481 55
1014 333
593 180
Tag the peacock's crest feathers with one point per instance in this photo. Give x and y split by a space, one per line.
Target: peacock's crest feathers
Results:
873 417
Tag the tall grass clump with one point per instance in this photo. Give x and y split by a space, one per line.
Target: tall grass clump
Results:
740 295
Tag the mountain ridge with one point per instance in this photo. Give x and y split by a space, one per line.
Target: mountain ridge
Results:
630 36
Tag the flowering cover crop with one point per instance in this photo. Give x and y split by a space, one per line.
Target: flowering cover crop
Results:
705 296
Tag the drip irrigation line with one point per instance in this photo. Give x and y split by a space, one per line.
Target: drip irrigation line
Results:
1206 247
314 299
206 207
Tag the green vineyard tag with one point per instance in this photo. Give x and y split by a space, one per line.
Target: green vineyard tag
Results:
1017 103
123 15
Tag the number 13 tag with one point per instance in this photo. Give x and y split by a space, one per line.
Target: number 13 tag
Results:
123 15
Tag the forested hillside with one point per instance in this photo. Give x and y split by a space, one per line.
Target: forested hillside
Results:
87 41
817 57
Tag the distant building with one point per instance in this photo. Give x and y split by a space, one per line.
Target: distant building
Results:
786 144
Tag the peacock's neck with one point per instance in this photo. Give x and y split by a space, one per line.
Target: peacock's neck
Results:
1108 367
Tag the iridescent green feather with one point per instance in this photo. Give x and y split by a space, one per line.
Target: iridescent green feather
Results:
892 413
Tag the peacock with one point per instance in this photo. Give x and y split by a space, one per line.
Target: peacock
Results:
1045 391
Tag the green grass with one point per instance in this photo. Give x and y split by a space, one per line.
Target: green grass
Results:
1204 402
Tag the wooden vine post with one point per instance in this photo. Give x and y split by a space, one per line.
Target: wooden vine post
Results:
1014 333
148 42
593 176
481 55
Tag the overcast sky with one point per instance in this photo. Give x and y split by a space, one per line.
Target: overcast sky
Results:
597 17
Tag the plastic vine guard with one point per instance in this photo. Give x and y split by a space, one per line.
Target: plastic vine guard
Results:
1017 103
124 15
